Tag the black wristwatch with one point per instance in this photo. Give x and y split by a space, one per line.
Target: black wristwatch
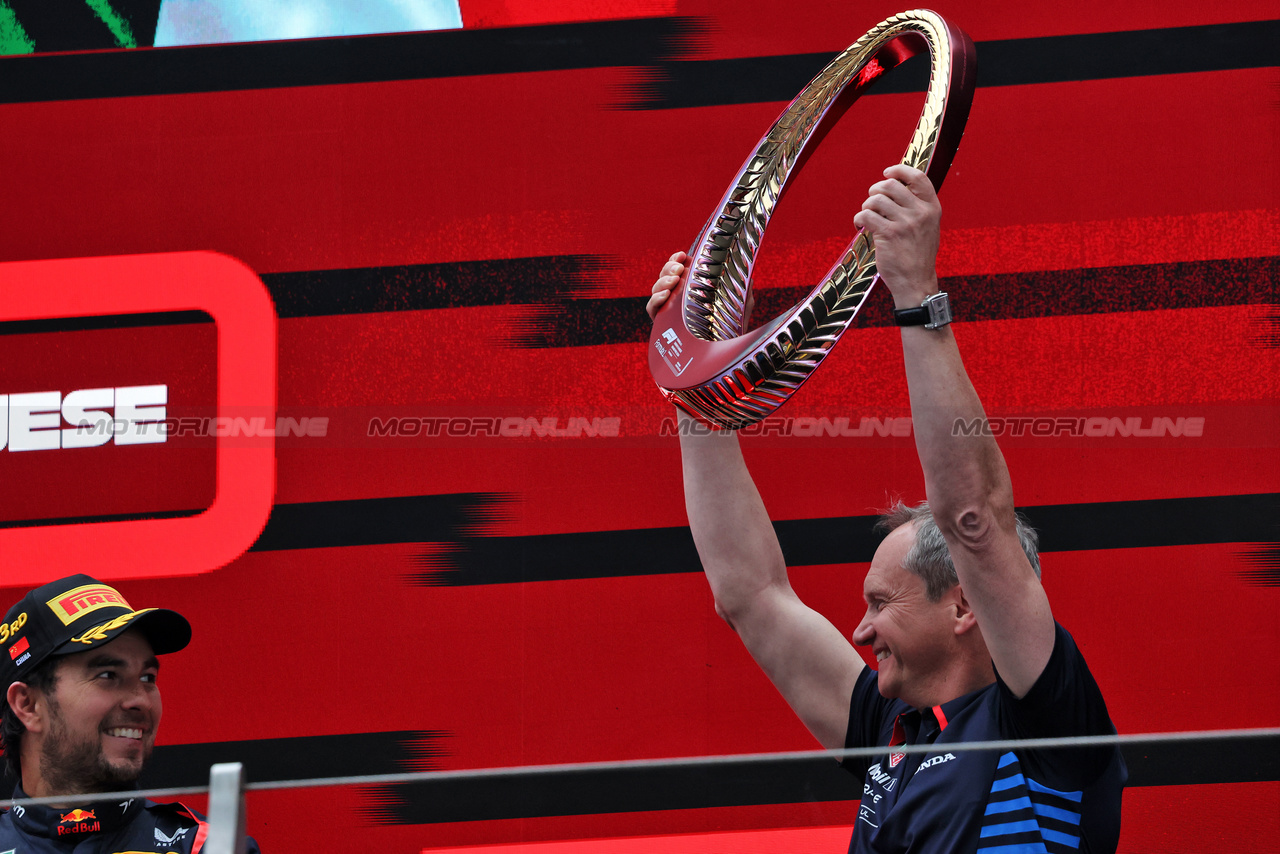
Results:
933 313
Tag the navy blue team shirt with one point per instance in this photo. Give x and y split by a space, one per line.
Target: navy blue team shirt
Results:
1061 801
131 826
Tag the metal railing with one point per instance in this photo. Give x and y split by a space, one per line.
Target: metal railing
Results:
227 785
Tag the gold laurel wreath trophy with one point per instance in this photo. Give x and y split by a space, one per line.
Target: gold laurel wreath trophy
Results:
699 354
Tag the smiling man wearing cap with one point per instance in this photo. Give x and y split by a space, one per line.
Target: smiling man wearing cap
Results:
82 706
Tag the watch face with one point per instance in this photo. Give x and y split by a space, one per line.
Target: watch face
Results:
939 307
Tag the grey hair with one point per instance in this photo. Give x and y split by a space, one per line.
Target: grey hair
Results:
929 557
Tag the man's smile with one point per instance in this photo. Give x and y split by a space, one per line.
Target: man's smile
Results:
126 732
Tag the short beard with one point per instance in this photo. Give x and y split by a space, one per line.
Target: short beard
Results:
80 769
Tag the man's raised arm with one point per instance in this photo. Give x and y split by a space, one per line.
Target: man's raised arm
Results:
966 481
807 659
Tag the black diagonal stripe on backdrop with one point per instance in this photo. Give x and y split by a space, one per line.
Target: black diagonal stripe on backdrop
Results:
651 42
1050 59
1254 759
554 283
300 758
378 521
93 520
1152 524
1248 760
463 520
651 551
104 321
296 758
551 279
1267 335
1263 564
848 539
1046 293
356 59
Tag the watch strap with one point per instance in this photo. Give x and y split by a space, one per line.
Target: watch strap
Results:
917 316
933 313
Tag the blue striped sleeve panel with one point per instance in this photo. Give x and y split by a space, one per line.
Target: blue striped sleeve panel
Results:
1025 817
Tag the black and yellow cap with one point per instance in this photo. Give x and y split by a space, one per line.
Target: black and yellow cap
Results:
77 613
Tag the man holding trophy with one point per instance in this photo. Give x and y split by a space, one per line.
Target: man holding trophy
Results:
966 645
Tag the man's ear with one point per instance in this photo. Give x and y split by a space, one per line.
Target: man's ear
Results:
28 705
965 620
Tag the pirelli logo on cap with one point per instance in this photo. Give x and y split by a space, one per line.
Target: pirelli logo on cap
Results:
74 604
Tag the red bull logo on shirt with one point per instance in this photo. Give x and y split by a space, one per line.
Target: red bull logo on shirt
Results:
81 821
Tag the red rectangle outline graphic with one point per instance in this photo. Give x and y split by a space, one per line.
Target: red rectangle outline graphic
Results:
233 295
